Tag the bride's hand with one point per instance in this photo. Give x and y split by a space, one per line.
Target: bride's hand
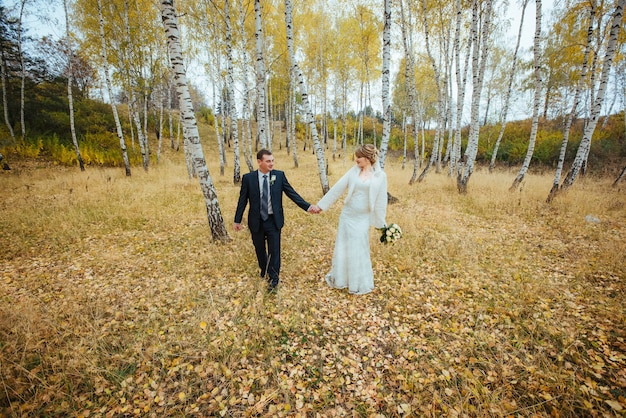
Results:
314 209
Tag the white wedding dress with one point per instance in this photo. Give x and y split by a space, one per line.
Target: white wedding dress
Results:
352 266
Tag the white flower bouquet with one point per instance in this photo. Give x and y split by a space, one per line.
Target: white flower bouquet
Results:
390 233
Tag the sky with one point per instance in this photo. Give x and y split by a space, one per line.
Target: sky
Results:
54 26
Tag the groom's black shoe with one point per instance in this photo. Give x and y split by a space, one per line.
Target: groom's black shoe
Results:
272 288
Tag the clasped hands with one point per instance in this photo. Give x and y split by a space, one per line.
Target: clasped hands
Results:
314 209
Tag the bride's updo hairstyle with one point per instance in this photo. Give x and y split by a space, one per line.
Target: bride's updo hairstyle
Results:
368 151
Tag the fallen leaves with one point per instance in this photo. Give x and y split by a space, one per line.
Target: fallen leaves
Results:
473 314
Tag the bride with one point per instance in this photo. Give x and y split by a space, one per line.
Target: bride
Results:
365 205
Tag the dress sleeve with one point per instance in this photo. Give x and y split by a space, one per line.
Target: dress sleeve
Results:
335 192
379 213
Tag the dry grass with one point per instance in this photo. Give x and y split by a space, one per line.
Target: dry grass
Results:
115 302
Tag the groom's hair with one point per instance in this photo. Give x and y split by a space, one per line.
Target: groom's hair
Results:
262 152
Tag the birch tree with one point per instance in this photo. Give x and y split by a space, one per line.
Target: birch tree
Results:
575 102
261 79
190 131
246 131
70 97
585 143
319 151
479 58
461 82
231 94
385 93
107 77
440 100
20 51
133 106
409 75
6 29
536 101
507 97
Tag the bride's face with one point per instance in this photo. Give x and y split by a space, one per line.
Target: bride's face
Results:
363 163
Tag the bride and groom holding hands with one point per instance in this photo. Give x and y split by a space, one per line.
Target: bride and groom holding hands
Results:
365 205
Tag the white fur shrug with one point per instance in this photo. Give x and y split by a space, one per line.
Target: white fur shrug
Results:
377 197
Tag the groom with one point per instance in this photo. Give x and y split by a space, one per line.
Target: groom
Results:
263 189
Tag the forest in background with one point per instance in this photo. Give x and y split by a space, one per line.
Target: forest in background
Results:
144 92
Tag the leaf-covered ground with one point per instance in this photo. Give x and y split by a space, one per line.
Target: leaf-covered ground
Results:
114 301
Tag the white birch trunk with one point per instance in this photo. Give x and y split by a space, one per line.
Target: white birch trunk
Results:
404 135
231 95
5 102
23 76
292 117
585 143
261 81
385 93
70 97
170 21
107 76
409 75
218 120
570 117
245 112
170 121
478 70
319 151
434 153
455 150
160 124
537 98
507 98
132 106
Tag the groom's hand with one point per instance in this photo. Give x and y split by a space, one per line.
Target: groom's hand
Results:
237 227
314 209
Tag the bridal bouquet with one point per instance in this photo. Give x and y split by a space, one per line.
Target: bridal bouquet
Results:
390 233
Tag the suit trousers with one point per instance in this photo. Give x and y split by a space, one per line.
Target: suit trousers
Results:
267 247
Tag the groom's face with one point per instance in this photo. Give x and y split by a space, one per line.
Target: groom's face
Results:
266 164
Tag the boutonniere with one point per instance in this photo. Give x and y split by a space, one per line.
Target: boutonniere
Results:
272 179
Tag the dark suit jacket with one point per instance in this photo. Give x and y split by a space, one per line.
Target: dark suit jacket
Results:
251 193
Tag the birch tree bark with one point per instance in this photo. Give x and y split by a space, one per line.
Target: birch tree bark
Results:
217 120
5 102
385 93
107 77
133 107
70 97
170 120
245 112
190 131
23 71
261 79
507 98
319 151
585 143
435 150
292 118
409 74
231 95
478 71
461 80
570 117
536 101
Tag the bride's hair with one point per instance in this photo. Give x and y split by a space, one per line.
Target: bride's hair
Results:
368 151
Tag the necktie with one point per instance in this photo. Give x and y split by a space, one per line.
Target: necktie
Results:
265 199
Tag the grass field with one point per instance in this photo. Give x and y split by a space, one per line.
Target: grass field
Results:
114 301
